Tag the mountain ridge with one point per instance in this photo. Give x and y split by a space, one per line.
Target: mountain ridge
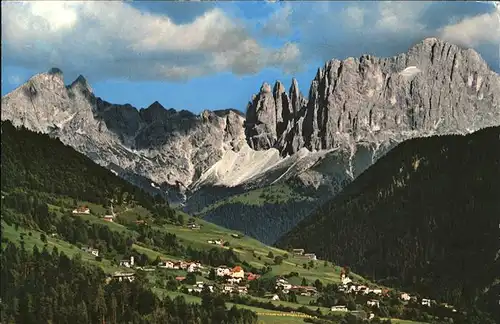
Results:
356 111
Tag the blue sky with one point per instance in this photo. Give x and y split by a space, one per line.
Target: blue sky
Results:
214 55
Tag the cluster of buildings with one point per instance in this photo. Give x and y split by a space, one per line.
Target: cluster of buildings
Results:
286 287
234 277
216 242
121 276
198 287
301 252
189 266
82 210
349 287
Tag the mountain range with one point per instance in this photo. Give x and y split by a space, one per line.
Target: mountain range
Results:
310 148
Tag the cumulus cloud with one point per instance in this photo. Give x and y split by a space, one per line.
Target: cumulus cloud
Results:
340 30
160 41
477 30
128 43
279 23
354 16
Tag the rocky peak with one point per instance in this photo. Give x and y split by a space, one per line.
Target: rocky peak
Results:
56 72
260 124
297 100
282 104
155 112
265 88
434 88
81 84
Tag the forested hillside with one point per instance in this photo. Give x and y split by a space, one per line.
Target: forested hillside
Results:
424 217
48 287
42 180
39 163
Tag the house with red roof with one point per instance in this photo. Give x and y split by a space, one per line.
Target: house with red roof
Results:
237 272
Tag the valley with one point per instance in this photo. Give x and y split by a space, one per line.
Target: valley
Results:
250 162
356 110
134 237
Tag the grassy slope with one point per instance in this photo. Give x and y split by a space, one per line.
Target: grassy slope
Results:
264 213
278 193
70 250
244 247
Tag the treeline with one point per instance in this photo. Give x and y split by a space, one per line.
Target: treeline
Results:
421 218
37 162
30 209
49 287
266 222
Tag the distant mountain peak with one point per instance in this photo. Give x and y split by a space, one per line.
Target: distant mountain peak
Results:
82 84
55 71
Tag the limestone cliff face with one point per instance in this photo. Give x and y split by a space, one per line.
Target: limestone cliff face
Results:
167 146
357 110
434 88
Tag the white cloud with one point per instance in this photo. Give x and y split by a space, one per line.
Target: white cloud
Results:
354 16
400 16
279 24
334 30
114 39
474 31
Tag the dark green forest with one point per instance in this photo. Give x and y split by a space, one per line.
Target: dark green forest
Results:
273 219
48 287
39 163
424 218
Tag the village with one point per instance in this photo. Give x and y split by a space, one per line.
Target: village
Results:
193 278
234 280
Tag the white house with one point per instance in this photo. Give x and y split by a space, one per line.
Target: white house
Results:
275 297
120 276
193 266
311 256
339 308
167 264
405 297
127 263
283 284
346 280
233 280
351 289
373 303
376 291
109 218
426 302
222 271
94 252
371 316
82 210
227 288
